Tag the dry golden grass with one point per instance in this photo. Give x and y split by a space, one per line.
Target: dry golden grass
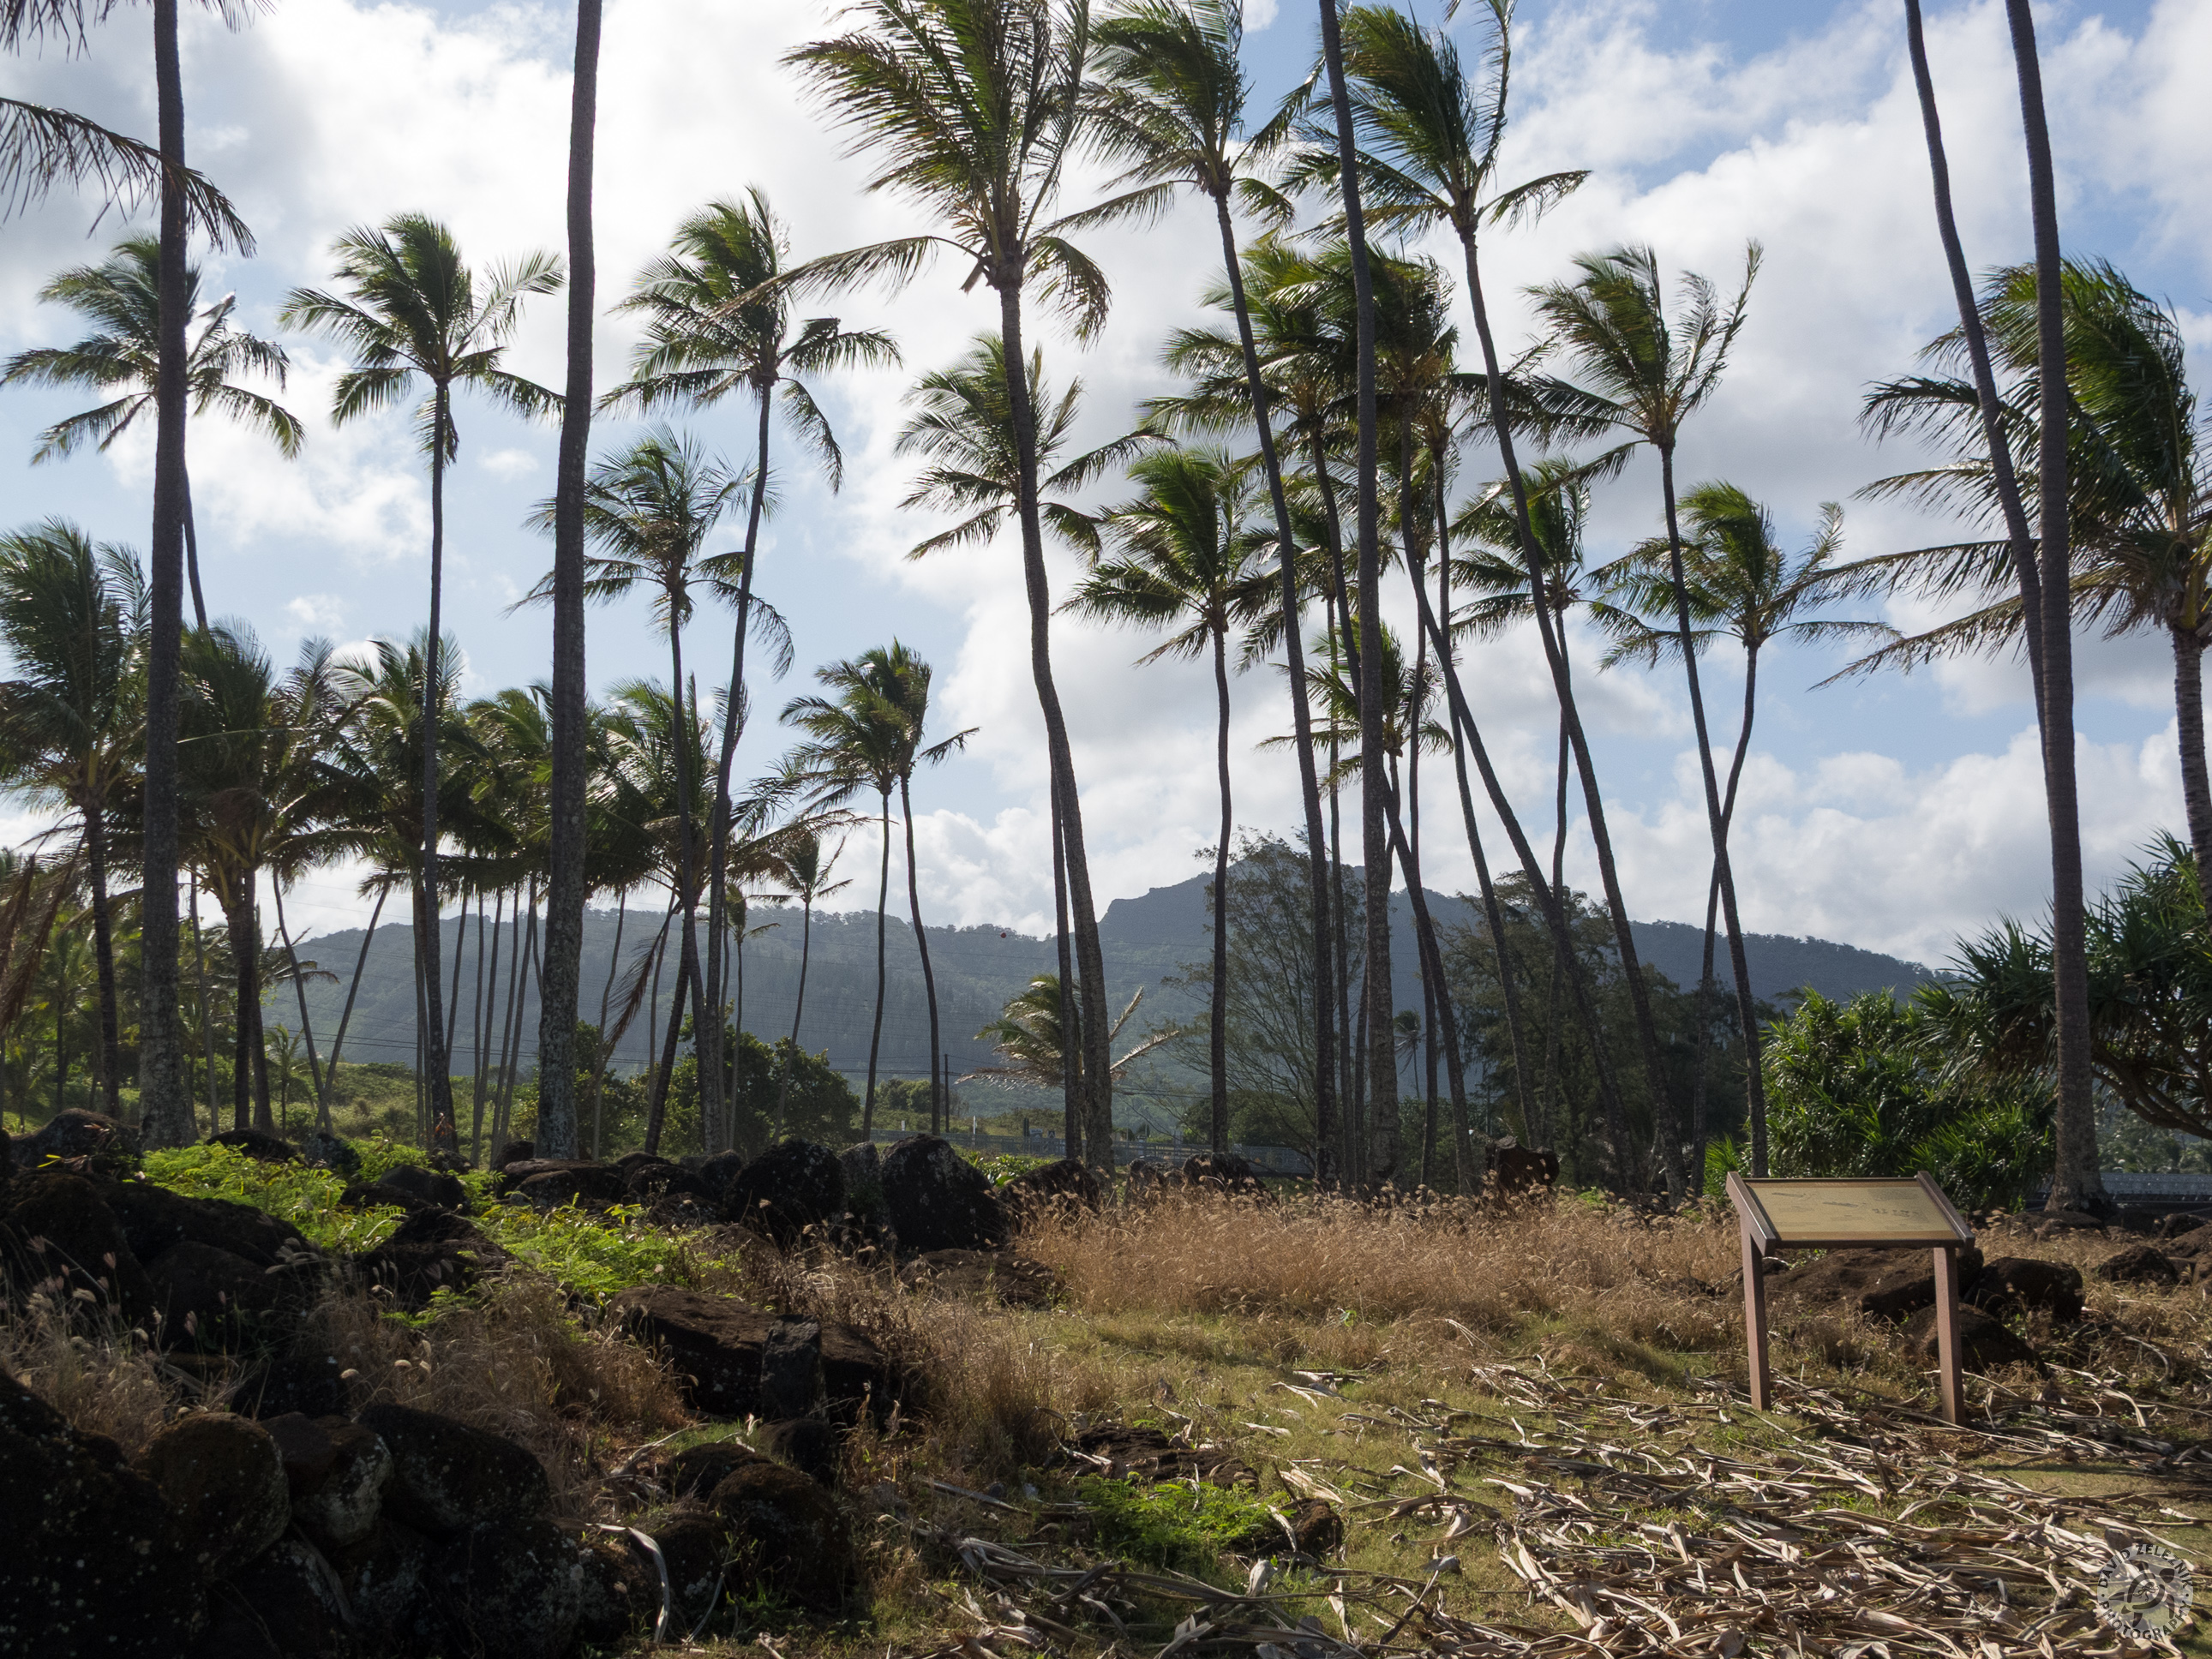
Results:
99 1374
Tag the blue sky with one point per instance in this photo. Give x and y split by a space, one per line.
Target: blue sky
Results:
1893 814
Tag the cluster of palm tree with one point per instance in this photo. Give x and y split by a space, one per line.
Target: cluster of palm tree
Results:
1327 440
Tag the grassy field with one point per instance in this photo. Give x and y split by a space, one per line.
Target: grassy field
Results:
1493 1434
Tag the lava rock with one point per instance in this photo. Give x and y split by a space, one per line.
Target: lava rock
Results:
936 1199
2139 1264
155 1220
1882 1284
619 1591
787 1530
715 1343
2046 1222
697 1470
793 1189
791 1368
53 1224
663 1182
718 1172
1984 1343
1148 1179
2172 1226
431 1249
257 1144
982 1276
341 1507
1225 1172
514 1151
74 1133
514 1174
695 1549
1063 1188
509 1589
383 1577
1517 1171
1316 1529
286 1603
426 1185
376 1195
807 1444
304 1380
329 1152
447 1477
223 1477
306 1450
207 1296
97 1562
2011 1284
585 1184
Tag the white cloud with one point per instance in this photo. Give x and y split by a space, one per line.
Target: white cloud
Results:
510 464
320 613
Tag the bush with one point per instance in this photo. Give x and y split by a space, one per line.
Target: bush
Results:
1861 1089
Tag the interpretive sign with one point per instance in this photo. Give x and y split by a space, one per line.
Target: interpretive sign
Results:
1871 1214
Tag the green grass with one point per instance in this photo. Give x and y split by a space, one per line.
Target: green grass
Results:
1175 1523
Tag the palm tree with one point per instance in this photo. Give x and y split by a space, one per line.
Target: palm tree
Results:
803 874
1174 111
975 108
410 307
649 509
1190 562
1741 585
121 296
869 736
1646 374
1030 1036
73 619
568 882
710 334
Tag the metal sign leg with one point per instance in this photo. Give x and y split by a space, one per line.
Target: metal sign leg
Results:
1754 1321
1946 1331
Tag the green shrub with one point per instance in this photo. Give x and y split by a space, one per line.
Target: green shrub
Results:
1175 1523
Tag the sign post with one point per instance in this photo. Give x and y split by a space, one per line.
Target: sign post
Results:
1869 1214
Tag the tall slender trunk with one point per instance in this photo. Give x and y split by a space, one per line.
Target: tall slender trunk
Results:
453 991
940 1098
567 882
1098 1082
653 1002
1374 785
103 956
206 1017
2076 1182
1754 1083
876 1031
345 1015
1317 858
733 722
238 914
1698 1134
487 1010
656 1109
1554 1027
606 1044
1432 971
1071 1057
1639 996
681 703
1218 1038
192 558
2189 718
440 1100
798 1008
422 1024
165 1109
307 1027
1349 1094
526 961
510 1025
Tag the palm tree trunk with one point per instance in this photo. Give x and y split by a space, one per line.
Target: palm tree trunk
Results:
876 1032
192 559
1697 1168
237 915
453 992
1096 1088
526 961
1554 1028
306 1029
103 954
345 1015
510 1027
687 854
1754 1084
1601 837
1218 1036
1317 859
652 1000
2076 1183
1375 844
165 1109
1071 1059
798 1008
1432 972
940 1098
207 1021
605 1045
439 1102
1349 1088
2189 717
487 1010
656 1111
567 885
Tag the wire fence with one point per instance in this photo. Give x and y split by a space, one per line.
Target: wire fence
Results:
1172 1149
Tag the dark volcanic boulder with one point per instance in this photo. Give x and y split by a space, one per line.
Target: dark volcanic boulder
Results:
514 1151
329 1152
1148 1179
509 1589
586 1184
2172 1226
383 1577
1517 1171
1984 1343
695 1549
793 1190
285 1603
426 1185
53 1224
2139 1264
1057 1188
2012 1284
92 1560
786 1533
791 1368
376 1195
74 1133
982 1276
513 1175
697 1470
807 1444
716 1344
341 1507
936 1199
1883 1283
432 1249
619 1591
306 1379
447 1477
257 1144
154 1219
648 1183
306 1450
223 1477
718 1172
207 1296
1225 1172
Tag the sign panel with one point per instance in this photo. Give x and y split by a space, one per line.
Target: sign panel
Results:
1825 1213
